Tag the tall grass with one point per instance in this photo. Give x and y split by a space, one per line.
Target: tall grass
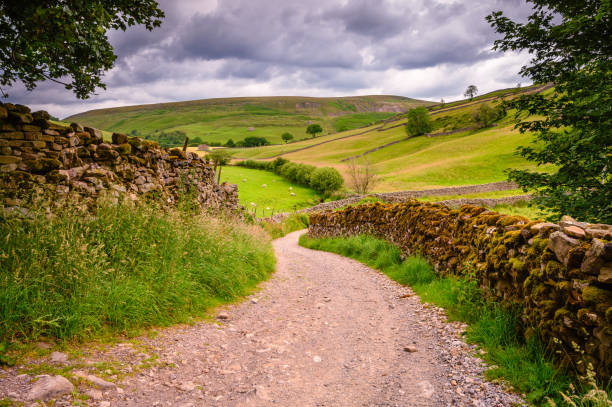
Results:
291 223
525 364
78 276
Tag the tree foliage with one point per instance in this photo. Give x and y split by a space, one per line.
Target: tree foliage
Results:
253 141
487 114
65 39
219 158
570 44
314 129
326 180
419 122
471 91
287 137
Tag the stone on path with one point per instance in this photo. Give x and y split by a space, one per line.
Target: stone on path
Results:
50 386
58 357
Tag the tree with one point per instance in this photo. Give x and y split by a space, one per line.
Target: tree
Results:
326 180
219 157
313 130
569 42
471 91
362 176
419 122
486 115
287 137
62 40
230 143
253 141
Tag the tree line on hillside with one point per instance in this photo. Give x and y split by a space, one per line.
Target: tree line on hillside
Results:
324 180
176 138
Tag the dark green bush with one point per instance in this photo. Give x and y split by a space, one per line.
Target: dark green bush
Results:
326 180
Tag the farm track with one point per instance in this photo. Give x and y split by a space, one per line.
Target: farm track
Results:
323 331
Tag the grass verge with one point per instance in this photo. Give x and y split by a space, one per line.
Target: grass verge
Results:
526 365
75 277
291 223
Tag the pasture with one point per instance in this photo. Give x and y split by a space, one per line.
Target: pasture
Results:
276 195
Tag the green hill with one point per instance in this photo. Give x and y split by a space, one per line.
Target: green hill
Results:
466 157
217 120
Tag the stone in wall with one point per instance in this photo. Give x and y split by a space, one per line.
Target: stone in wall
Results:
39 158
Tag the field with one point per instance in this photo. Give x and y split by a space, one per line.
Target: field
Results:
464 158
276 196
218 120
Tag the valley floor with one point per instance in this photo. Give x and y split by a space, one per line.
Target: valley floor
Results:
323 331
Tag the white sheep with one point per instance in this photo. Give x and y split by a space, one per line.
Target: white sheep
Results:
264 185
293 194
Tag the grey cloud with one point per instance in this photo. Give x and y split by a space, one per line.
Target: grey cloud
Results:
318 44
372 19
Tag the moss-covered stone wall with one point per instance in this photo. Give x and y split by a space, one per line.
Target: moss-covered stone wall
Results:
41 158
559 274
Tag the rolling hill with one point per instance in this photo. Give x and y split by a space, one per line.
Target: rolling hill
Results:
217 120
467 157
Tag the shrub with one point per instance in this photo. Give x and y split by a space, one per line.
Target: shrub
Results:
304 173
486 115
419 122
326 180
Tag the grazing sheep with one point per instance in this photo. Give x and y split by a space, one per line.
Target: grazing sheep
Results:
264 185
244 180
293 194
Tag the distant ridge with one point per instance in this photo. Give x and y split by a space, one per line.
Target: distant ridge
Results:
220 119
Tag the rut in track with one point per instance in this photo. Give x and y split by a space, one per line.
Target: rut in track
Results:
323 331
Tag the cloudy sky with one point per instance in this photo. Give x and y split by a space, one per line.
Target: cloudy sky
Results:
428 49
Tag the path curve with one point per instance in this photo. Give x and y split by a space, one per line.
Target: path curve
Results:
323 331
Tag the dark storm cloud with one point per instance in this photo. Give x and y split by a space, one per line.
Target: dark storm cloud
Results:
334 46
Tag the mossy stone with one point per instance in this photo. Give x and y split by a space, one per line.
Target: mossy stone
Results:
596 295
43 165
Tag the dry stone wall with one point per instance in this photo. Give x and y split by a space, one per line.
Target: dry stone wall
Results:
38 157
560 275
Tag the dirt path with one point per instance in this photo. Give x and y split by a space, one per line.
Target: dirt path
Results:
323 331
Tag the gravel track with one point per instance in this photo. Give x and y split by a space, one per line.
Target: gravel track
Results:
323 331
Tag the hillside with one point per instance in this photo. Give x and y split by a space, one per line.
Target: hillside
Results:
462 158
217 120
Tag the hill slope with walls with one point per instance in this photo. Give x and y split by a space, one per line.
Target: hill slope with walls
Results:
43 160
455 153
217 120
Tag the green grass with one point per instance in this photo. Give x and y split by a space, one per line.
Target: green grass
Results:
291 223
275 196
524 364
521 209
355 121
489 194
466 158
77 277
217 120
